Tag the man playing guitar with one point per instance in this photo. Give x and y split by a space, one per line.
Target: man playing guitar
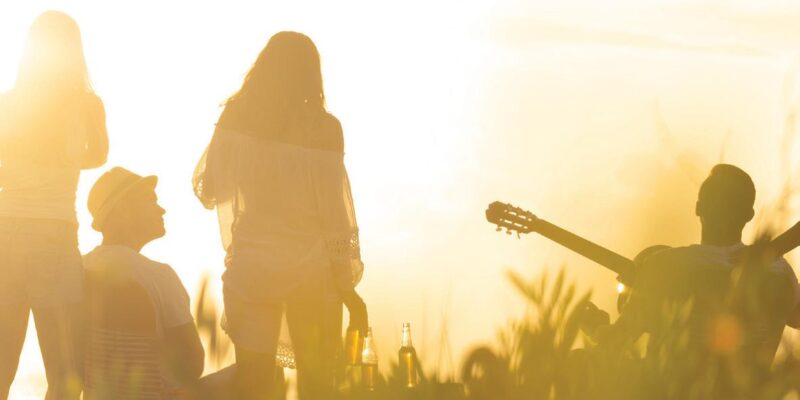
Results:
716 309
729 299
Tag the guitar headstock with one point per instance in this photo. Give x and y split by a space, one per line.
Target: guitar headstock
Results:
513 219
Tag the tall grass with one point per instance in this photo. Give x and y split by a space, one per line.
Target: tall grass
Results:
543 355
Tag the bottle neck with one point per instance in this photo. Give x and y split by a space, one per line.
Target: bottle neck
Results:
368 339
368 355
406 340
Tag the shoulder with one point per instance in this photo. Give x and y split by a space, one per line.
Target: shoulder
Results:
93 104
782 265
164 274
668 255
103 256
166 281
666 264
114 263
330 135
331 124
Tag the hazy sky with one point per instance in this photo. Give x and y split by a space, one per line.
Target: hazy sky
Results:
601 117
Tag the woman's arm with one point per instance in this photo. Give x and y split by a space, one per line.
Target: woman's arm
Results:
97 136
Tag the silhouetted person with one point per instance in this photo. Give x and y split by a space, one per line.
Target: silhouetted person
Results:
708 300
52 126
275 173
125 210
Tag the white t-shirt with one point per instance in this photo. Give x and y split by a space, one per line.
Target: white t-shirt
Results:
696 270
725 255
169 297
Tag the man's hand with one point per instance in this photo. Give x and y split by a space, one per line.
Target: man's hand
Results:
589 318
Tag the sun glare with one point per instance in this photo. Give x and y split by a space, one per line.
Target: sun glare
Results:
445 107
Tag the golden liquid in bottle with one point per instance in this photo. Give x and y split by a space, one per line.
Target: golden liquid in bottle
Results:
353 346
408 366
369 375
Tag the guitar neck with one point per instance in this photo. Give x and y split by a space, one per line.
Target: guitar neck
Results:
786 241
599 254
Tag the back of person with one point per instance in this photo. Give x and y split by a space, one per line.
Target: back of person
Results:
42 157
163 290
716 303
274 170
51 126
122 360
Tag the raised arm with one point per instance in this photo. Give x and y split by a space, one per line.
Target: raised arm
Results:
96 135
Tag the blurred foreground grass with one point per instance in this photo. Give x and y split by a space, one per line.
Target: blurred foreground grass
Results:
544 355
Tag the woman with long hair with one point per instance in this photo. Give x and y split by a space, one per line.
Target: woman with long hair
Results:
52 126
275 173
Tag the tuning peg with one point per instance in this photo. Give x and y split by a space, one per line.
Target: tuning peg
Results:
508 231
518 236
498 229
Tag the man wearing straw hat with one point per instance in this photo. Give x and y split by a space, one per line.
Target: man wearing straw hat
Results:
125 209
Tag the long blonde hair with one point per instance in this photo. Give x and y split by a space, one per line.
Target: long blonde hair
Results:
284 84
51 93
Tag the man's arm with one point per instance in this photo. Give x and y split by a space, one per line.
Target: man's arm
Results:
636 316
183 353
628 327
794 315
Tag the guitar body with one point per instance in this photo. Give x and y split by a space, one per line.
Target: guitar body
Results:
625 292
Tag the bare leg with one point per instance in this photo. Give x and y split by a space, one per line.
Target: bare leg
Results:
13 325
56 327
220 385
251 379
314 315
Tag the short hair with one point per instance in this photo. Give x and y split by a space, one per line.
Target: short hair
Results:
728 192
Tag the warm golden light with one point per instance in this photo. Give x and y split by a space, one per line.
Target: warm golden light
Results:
602 119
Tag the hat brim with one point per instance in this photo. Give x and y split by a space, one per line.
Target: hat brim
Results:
102 214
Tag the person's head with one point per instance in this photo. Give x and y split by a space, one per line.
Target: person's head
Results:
284 82
53 59
125 209
726 198
50 95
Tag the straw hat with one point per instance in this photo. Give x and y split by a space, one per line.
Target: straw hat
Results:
110 189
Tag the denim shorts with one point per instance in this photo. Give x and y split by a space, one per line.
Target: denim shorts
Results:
40 264
256 326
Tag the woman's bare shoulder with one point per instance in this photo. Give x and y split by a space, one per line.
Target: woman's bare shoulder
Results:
330 135
94 108
94 102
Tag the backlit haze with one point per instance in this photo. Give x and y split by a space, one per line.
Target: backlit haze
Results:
603 119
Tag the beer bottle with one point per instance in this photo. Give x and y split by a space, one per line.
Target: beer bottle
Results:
369 364
407 358
353 346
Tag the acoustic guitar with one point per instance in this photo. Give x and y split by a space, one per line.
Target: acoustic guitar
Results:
517 220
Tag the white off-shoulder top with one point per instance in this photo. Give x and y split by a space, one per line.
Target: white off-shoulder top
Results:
285 213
